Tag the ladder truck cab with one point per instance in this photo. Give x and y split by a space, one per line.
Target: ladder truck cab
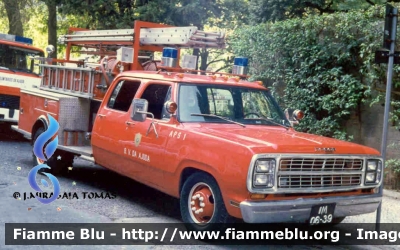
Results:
218 142
17 70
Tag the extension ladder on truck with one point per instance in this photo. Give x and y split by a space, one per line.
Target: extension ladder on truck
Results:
86 81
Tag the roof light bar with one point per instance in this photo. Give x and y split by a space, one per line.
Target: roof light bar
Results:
18 39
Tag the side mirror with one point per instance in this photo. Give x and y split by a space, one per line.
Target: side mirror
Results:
298 115
139 110
139 113
294 116
171 107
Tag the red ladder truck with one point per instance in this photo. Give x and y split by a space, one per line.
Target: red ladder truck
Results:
218 142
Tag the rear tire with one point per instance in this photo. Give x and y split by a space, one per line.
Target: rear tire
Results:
201 193
58 162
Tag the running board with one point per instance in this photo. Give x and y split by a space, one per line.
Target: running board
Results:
79 150
27 135
87 158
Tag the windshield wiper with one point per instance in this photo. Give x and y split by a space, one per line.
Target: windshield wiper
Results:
274 122
220 117
7 69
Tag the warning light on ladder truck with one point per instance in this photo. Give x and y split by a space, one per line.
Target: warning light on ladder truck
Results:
14 38
169 57
240 66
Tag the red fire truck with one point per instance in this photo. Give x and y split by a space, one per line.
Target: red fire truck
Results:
218 142
17 70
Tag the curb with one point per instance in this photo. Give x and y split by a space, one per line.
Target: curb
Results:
391 194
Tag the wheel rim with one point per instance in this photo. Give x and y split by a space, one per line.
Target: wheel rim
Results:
201 203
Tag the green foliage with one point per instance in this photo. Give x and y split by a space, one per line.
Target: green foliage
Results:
277 10
111 14
322 64
393 164
231 14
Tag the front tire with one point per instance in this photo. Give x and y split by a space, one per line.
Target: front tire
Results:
201 204
58 162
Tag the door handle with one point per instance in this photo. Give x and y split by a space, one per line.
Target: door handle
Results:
129 123
101 115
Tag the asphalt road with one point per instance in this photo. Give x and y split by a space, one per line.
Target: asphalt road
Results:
133 201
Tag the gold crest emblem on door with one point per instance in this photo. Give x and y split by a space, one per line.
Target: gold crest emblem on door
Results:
138 138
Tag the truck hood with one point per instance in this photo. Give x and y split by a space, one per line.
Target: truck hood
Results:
269 139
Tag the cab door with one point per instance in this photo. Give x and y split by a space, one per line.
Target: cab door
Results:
148 142
112 124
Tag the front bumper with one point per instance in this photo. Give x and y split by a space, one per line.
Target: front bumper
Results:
299 210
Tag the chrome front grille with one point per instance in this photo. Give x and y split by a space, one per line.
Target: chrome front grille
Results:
318 181
318 164
298 173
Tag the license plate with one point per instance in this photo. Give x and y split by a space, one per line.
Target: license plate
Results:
322 214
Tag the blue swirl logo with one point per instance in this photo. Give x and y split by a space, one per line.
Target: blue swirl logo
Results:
44 153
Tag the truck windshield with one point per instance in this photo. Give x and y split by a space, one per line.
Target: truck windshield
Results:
238 104
18 59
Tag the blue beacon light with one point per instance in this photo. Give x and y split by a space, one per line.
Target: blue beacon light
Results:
240 65
169 57
14 38
23 40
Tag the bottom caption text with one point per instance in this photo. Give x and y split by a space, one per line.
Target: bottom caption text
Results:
178 234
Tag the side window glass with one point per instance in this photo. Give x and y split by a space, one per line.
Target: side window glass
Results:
6 56
156 95
123 94
114 95
165 114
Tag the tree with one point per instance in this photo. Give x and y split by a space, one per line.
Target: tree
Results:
13 9
52 23
102 14
275 10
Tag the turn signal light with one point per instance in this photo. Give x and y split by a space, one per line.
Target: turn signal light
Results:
257 196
